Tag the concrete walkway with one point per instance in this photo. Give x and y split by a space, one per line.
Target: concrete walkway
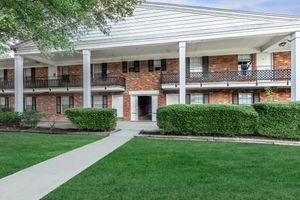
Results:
37 181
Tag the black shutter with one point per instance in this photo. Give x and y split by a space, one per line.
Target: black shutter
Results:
125 68
205 64
92 101
92 70
24 103
6 103
33 103
188 99
235 98
104 101
151 65
188 65
104 70
256 98
5 75
71 102
136 66
164 65
58 105
32 74
205 98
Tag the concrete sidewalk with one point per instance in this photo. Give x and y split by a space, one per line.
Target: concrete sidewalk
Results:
37 181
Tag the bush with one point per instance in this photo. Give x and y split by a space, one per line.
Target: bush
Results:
280 120
31 118
9 118
227 120
92 118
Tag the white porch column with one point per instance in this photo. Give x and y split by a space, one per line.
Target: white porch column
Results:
182 72
154 107
87 89
295 48
19 84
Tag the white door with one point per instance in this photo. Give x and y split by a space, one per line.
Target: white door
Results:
264 61
118 103
154 107
172 99
52 72
134 108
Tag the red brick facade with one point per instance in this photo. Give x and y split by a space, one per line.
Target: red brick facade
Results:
145 80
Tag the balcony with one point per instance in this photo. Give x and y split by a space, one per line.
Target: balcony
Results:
255 78
69 82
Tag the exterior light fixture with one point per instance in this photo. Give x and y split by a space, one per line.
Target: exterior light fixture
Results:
282 44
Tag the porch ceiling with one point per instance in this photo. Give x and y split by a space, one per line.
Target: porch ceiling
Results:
241 45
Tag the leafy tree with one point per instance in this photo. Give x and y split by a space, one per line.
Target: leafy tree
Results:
54 24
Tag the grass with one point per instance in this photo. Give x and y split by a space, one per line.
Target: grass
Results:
168 170
19 151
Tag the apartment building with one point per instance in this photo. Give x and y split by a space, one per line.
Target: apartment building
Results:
164 54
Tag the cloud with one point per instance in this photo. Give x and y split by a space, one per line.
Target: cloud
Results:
273 6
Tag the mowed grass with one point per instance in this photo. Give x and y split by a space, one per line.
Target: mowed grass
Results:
168 170
19 151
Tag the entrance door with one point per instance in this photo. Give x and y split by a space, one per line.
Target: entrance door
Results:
145 108
117 103
264 61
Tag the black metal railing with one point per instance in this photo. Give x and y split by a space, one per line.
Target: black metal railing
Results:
229 76
64 81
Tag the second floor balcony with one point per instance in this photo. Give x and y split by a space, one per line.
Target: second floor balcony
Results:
280 77
66 81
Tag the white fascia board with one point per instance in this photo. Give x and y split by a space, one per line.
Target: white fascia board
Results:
144 93
224 85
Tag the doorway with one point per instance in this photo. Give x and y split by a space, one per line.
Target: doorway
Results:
145 108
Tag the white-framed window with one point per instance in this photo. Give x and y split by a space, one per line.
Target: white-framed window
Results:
130 65
245 98
157 65
64 70
99 101
2 75
245 62
97 70
196 64
27 74
197 99
4 103
30 103
63 103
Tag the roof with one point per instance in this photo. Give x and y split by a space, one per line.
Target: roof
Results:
155 23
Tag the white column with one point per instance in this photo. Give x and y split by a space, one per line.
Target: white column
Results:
182 72
134 107
154 107
87 89
295 48
19 84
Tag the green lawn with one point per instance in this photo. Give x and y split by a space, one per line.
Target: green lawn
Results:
168 170
19 151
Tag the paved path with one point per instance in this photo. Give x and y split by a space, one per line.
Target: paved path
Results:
37 181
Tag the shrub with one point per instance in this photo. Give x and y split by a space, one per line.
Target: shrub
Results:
31 118
278 119
9 118
207 119
92 118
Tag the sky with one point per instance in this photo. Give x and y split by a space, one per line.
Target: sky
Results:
290 7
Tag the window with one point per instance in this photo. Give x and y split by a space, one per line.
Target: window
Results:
197 99
63 103
157 65
245 62
196 64
99 101
4 103
246 98
97 70
64 70
30 103
131 66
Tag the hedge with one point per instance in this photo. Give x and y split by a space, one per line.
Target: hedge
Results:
278 119
92 118
229 120
9 118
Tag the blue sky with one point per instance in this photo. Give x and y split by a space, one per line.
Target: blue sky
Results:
291 7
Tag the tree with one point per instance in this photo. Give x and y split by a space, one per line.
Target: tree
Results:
54 24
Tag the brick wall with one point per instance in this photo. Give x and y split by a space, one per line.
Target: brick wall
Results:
223 63
282 60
